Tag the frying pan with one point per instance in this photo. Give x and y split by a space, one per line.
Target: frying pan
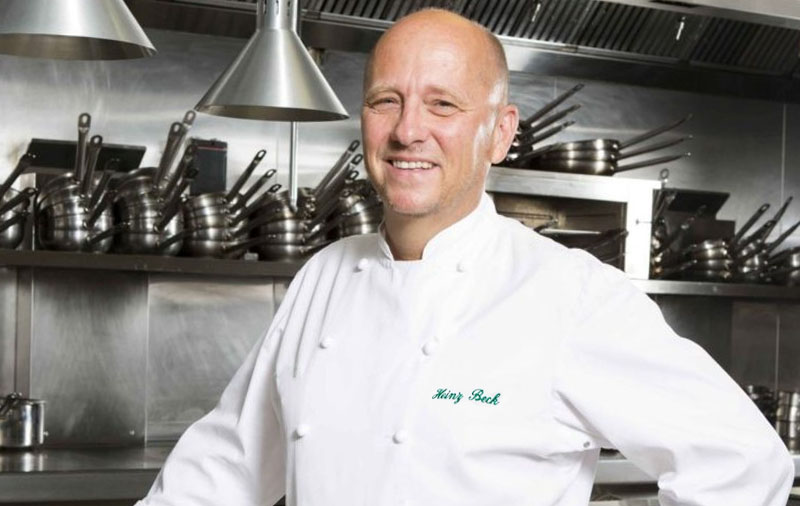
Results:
598 168
617 145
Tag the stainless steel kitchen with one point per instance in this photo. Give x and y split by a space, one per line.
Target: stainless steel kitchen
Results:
167 167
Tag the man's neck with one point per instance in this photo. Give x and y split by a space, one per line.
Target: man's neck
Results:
407 236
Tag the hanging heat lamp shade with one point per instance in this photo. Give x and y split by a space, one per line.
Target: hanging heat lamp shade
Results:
273 78
71 30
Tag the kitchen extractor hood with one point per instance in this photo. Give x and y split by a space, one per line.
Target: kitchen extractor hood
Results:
782 13
724 49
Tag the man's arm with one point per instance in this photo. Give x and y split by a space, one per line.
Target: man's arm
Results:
625 378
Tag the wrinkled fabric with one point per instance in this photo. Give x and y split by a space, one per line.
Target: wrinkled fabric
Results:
488 373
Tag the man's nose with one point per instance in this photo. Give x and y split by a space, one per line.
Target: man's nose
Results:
410 126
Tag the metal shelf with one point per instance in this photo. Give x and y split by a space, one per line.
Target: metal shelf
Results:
735 290
147 263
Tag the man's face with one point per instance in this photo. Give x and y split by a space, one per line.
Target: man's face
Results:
429 123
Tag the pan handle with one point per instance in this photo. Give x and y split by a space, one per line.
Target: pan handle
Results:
105 234
336 167
550 132
188 118
245 175
166 243
774 244
653 147
22 196
539 125
13 220
95 145
100 190
778 216
24 163
169 152
97 210
84 122
748 224
653 133
260 182
652 161
550 106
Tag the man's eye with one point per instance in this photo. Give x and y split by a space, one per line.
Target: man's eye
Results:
443 107
383 103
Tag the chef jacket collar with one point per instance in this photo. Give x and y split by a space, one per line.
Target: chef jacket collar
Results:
451 243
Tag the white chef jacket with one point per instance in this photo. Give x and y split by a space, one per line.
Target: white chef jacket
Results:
488 373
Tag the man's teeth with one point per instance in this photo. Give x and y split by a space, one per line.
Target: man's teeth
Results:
411 165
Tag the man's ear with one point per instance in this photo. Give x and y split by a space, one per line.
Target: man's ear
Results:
505 128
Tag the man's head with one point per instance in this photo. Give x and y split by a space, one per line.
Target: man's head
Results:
435 114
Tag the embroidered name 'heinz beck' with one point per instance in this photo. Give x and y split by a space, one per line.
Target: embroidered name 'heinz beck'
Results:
477 395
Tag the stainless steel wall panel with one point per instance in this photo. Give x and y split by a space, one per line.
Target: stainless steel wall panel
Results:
791 174
8 328
200 331
88 355
789 347
754 340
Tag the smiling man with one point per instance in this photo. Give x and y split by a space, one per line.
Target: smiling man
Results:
458 358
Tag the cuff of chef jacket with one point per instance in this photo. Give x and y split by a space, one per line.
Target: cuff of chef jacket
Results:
625 378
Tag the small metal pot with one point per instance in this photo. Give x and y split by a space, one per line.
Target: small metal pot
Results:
21 422
72 239
364 228
12 231
219 249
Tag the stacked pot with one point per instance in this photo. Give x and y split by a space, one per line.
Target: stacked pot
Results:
147 201
14 206
788 417
217 223
72 211
286 233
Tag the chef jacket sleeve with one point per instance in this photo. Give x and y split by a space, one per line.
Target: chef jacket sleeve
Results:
625 378
235 454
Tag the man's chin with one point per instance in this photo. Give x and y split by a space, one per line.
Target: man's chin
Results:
410 208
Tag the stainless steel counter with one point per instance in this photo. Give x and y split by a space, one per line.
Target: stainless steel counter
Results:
127 473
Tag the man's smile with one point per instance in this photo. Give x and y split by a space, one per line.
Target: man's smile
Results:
408 165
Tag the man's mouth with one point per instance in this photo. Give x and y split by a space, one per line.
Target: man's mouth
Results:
411 164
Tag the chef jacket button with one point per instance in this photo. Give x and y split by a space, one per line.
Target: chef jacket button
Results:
430 347
301 430
326 343
362 264
587 444
400 437
462 266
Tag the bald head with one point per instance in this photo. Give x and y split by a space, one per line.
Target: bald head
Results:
490 66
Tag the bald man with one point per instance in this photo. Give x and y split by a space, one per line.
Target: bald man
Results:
458 358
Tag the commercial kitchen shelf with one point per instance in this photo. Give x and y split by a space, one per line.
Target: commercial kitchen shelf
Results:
127 473
253 268
735 290
147 263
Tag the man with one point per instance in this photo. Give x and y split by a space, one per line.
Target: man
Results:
459 358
